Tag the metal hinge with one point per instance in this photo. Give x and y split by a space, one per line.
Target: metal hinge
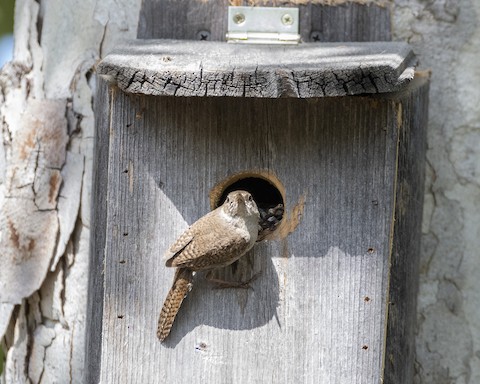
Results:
263 25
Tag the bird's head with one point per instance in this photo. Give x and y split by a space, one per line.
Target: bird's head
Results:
240 203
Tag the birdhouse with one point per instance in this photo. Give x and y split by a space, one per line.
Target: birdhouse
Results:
331 135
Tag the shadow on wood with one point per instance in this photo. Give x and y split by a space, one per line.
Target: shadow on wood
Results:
336 299
321 306
243 304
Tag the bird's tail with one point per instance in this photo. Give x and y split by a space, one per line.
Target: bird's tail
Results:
182 283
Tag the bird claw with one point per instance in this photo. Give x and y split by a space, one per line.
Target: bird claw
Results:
222 284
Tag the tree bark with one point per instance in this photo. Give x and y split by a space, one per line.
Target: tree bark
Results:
47 123
57 65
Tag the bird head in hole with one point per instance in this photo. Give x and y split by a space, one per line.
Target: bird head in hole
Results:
240 203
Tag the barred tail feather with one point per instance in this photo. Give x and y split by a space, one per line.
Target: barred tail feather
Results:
181 286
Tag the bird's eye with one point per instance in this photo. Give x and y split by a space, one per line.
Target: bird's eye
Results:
227 200
250 198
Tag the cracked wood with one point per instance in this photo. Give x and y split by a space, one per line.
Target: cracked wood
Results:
199 68
322 295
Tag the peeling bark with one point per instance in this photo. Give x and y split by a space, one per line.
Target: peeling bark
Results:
16 365
6 310
69 202
445 34
46 121
57 44
29 214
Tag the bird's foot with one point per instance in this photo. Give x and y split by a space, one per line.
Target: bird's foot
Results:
223 284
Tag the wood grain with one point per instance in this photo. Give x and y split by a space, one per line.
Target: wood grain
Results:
93 345
308 317
196 68
189 19
335 302
405 254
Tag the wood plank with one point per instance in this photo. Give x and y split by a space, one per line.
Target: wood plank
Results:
93 345
190 19
307 317
326 307
412 114
345 22
196 68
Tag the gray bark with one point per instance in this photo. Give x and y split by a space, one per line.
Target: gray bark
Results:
445 36
46 119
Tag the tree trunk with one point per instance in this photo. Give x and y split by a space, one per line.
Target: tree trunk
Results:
47 124
58 42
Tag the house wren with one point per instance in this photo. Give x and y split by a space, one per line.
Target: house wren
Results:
217 239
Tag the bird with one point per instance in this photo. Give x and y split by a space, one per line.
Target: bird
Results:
215 240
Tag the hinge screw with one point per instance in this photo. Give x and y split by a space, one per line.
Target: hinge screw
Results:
315 36
203 35
239 18
287 19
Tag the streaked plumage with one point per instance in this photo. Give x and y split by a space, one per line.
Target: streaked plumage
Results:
217 239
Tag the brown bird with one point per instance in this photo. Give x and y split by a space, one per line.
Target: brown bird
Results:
217 239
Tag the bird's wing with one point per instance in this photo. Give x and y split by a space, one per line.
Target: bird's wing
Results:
210 250
179 245
187 237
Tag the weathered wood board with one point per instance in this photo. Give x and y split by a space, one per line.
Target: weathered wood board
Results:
356 20
335 302
93 342
409 192
201 68
320 310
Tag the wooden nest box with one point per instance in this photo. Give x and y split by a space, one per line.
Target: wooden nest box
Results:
336 133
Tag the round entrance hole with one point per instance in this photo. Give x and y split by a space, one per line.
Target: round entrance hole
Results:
266 190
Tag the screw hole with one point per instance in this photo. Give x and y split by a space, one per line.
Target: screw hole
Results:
239 18
315 36
203 35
